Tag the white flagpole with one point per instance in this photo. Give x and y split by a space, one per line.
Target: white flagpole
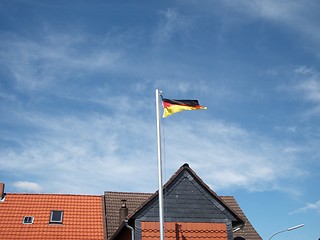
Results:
161 219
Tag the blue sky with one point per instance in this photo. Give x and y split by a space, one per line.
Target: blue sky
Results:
77 100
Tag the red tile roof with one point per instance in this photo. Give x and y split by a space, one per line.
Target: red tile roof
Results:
82 218
185 230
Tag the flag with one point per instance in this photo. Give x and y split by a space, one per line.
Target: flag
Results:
171 106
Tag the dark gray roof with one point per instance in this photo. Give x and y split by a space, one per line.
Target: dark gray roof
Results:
136 201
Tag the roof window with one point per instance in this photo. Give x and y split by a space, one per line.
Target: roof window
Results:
56 216
27 220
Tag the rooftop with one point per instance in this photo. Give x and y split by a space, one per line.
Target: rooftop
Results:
82 217
136 200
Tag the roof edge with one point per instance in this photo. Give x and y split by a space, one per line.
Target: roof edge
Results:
186 167
55 194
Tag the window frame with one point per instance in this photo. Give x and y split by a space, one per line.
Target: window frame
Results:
25 218
56 221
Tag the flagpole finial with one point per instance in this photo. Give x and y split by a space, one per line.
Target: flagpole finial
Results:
158 91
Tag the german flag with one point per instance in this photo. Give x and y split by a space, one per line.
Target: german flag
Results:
172 106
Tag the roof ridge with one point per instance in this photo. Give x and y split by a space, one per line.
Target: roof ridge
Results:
144 193
56 194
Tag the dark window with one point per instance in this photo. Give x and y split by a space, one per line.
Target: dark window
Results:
27 220
56 216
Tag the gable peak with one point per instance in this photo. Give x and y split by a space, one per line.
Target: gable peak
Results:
186 165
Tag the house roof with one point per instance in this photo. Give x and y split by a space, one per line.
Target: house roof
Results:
82 217
113 204
185 168
136 201
247 231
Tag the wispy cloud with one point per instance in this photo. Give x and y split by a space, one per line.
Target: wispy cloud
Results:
171 23
66 153
302 83
308 85
276 10
39 64
299 17
315 207
26 186
107 141
229 156
311 88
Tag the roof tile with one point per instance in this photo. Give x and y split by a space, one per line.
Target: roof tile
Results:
190 230
82 217
248 231
113 204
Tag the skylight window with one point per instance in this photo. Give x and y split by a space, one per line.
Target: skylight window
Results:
56 216
27 220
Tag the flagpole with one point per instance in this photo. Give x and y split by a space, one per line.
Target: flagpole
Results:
161 219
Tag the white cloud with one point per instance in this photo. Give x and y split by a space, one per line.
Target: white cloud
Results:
46 62
70 154
276 10
228 156
103 150
303 84
299 16
7 96
304 70
98 152
184 85
315 207
311 90
308 87
171 23
28 186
